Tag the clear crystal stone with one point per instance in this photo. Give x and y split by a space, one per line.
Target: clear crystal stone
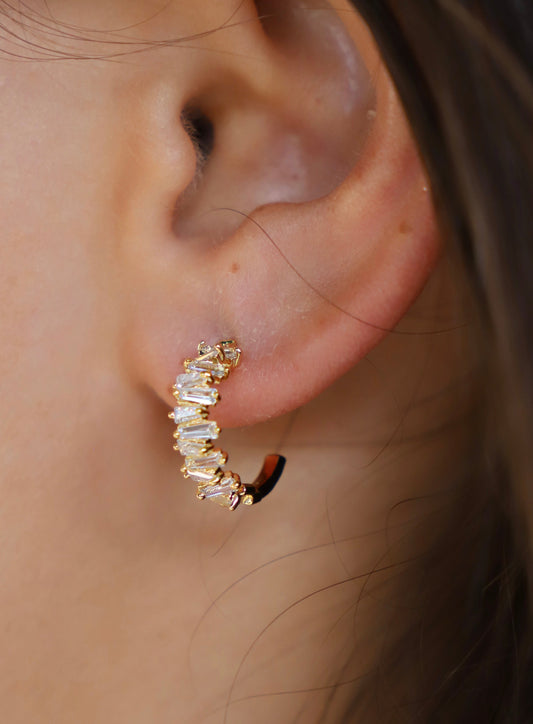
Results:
199 395
231 352
204 477
207 349
188 448
221 493
186 412
200 431
190 379
215 368
213 459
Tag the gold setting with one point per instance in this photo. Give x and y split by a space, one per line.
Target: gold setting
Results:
195 392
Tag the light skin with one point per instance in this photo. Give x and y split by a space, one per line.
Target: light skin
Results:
121 596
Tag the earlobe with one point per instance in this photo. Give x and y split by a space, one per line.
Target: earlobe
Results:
306 286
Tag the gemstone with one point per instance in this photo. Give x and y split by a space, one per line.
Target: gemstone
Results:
186 412
190 379
215 368
213 459
221 493
199 395
231 352
191 448
200 431
204 477
207 350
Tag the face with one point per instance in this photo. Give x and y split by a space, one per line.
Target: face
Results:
135 139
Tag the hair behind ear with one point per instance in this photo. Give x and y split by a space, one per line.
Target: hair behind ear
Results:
464 77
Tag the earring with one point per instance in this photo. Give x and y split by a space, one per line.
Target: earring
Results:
195 394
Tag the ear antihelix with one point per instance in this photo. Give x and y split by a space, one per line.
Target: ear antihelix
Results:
195 391
284 128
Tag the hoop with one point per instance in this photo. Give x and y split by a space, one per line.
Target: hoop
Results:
195 392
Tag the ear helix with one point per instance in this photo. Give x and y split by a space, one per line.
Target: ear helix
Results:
194 435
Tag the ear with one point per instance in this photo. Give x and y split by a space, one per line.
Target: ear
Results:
299 225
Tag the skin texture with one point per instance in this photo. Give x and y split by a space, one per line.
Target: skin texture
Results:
122 598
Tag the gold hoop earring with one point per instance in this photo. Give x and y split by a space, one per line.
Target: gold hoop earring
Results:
195 392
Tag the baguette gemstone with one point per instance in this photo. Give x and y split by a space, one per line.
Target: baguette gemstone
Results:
188 448
204 477
200 431
199 395
187 412
213 367
231 353
222 493
207 351
191 379
213 459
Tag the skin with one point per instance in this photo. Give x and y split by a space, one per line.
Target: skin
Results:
121 597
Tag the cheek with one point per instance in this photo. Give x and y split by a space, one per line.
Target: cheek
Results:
51 241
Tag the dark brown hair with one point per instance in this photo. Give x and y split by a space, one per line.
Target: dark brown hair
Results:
464 72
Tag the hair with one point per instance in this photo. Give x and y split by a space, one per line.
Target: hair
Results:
464 72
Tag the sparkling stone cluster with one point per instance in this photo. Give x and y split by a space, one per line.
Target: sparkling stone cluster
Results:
195 392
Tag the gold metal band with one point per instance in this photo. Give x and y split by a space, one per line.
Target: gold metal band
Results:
195 392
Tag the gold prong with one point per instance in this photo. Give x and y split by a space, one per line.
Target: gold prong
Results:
171 415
